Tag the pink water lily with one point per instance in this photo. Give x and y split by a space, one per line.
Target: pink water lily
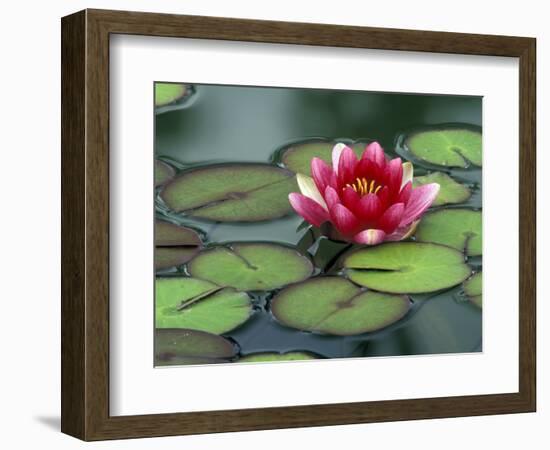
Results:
367 201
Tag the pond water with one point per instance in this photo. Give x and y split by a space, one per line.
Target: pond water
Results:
233 124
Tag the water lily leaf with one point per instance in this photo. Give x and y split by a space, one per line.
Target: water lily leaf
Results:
171 235
457 228
297 157
232 192
251 266
407 267
333 305
446 147
180 347
166 257
450 191
199 305
270 357
473 289
163 173
166 93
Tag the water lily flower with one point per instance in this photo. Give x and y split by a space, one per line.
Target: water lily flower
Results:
366 201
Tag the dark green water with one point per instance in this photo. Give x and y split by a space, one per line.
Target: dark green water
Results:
248 124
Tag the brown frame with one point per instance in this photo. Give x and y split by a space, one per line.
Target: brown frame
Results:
85 224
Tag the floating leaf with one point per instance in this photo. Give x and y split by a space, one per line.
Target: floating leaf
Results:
406 267
171 235
163 173
450 191
166 257
232 192
335 306
446 147
199 305
166 93
180 346
251 266
270 357
297 157
457 228
473 289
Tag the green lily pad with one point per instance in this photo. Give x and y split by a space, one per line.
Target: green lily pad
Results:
297 157
166 257
333 305
163 173
166 93
232 192
473 289
446 147
251 266
180 347
457 228
199 305
407 267
271 357
171 235
450 192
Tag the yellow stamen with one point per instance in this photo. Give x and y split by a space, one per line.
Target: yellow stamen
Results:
363 186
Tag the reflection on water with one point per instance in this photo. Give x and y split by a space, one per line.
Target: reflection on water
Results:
236 124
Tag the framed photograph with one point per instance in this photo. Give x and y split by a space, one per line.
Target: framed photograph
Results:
273 225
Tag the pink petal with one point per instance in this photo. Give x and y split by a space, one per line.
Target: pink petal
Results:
331 197
405 193
322 174
344 220
384 197
347 165
403 232
351 199
370 237
394 174
421 199
391 217
368 169
370 207
375 153
310 210
336 152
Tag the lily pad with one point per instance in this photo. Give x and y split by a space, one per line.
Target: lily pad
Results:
251 266
447 147
335 306
297 157
180 347
232 192
199 305
407 267
166 257
473 289
163 173
450 192
457 228
166 93
271 357
171 235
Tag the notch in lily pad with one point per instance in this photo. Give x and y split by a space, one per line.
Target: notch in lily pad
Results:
449 147
175 245
333 305
174 347
251 266
185 302
298 155
278 357
459 228
406 267
450 191
473 289
232 192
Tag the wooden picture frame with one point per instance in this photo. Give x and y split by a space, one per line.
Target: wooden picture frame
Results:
85 224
